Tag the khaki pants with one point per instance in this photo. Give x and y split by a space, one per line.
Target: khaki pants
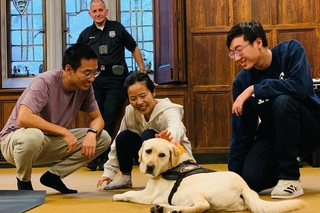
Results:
26 147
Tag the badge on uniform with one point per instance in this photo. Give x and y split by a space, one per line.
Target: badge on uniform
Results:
103 49
112 34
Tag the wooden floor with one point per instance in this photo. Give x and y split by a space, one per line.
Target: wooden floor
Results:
90 199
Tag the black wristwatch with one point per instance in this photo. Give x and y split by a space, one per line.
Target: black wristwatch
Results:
92 130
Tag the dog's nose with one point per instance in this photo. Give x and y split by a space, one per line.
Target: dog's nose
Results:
150 167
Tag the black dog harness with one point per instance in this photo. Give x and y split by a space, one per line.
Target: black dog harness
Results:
183 170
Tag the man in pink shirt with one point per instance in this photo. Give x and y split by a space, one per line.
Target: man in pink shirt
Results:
37 132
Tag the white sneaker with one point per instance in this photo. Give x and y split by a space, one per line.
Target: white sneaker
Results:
287 189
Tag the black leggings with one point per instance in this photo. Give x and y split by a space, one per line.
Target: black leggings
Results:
128 145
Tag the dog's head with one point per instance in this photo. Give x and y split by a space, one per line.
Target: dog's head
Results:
157 156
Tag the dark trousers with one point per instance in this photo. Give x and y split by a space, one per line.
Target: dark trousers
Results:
291 132
128 145
110 101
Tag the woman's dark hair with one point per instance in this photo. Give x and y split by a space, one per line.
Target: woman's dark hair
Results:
75 53
250 31
138 76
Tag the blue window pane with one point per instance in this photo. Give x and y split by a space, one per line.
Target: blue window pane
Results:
70 6
30 38
147 18
147 4
23 54
37 38
140 34
139 18
16 35
23 23
30 53
148 33
134 33
37 22
135 5
16 50
133 19
38 53
15 22
125 19
37 7
79 22
34 68
125 5
23 38
148 46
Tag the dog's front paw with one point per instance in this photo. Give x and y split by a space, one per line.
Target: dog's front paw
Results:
119 197
156 209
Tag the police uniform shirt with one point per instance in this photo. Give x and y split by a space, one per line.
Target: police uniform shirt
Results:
109 43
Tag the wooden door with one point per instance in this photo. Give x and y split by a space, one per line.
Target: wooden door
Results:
169 41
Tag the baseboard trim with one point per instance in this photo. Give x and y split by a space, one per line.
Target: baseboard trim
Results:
211 158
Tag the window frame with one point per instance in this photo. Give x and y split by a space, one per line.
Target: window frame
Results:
9 41
52 50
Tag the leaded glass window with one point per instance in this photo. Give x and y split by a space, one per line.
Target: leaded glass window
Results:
26 35
136 16
77 19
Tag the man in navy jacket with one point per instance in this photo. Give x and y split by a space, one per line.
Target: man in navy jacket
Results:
276 113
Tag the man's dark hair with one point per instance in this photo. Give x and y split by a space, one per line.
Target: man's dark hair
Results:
138 76
75 53
250 32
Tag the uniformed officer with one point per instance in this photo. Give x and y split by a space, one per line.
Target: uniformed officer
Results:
109 39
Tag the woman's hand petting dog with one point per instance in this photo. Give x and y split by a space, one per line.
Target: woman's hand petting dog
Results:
165 134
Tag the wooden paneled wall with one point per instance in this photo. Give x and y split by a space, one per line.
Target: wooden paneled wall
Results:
9 97
211 71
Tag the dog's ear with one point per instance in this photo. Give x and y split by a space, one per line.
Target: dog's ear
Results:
140 153
174 155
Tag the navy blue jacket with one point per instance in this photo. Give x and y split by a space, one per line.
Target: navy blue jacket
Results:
288 73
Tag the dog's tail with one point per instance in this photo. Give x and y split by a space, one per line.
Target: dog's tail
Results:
257 205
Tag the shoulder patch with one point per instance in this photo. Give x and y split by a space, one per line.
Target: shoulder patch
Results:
112 34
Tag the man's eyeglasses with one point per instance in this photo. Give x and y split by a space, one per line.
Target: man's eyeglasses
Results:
232 54
88 74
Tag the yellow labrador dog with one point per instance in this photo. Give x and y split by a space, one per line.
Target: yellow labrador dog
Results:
196 192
